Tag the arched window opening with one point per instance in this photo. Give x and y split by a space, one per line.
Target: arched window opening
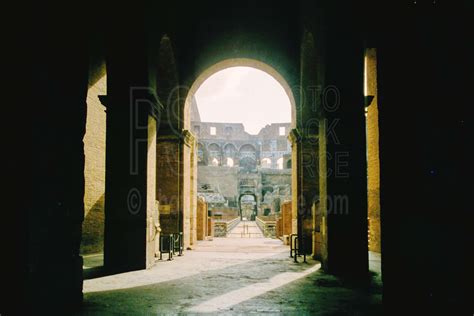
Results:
280 163
266 163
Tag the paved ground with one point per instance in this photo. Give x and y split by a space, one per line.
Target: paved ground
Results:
231 276
246 230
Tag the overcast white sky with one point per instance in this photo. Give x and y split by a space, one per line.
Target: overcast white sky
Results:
243 95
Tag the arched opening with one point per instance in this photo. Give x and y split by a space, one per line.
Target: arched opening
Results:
249 143
247 206
266 163
214 151
279 163
248 163
238 62
230 153
201 155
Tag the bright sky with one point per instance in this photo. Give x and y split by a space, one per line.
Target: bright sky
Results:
243 95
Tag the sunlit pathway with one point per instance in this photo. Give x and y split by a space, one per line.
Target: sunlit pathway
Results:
246 229
226 275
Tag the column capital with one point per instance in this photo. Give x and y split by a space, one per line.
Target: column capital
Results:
294 136
188 138
185 137
154 106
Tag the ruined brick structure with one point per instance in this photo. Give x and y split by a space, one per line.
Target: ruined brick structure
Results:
233 164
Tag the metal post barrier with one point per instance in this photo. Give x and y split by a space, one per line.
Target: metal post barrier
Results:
296 249
166 246
178 243
297 244
291 245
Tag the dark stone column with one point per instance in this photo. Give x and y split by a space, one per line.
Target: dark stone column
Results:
425 72
129 195
130 103
52 190
310 117
344 137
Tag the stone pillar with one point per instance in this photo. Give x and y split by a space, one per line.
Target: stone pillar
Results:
295 139
202 220
309 139
373 162
188 197
130 180
42 268
304 185
174 184
426 128
168 151
132 109
343 140
193 187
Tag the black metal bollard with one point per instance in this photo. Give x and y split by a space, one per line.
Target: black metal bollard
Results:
166 245
178 243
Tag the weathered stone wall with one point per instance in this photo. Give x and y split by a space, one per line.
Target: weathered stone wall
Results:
279 177
223 178
223 130
267 225
225 212
373 163
94 170
222 227
226 180
230 140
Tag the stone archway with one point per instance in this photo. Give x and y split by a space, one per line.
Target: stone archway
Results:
238 62
243 157
254 213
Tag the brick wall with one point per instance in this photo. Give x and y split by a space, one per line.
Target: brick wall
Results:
373 163
202 220
286 217
94 170
279 227
167 186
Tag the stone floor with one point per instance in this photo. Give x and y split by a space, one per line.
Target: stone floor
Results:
246 229
231 276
